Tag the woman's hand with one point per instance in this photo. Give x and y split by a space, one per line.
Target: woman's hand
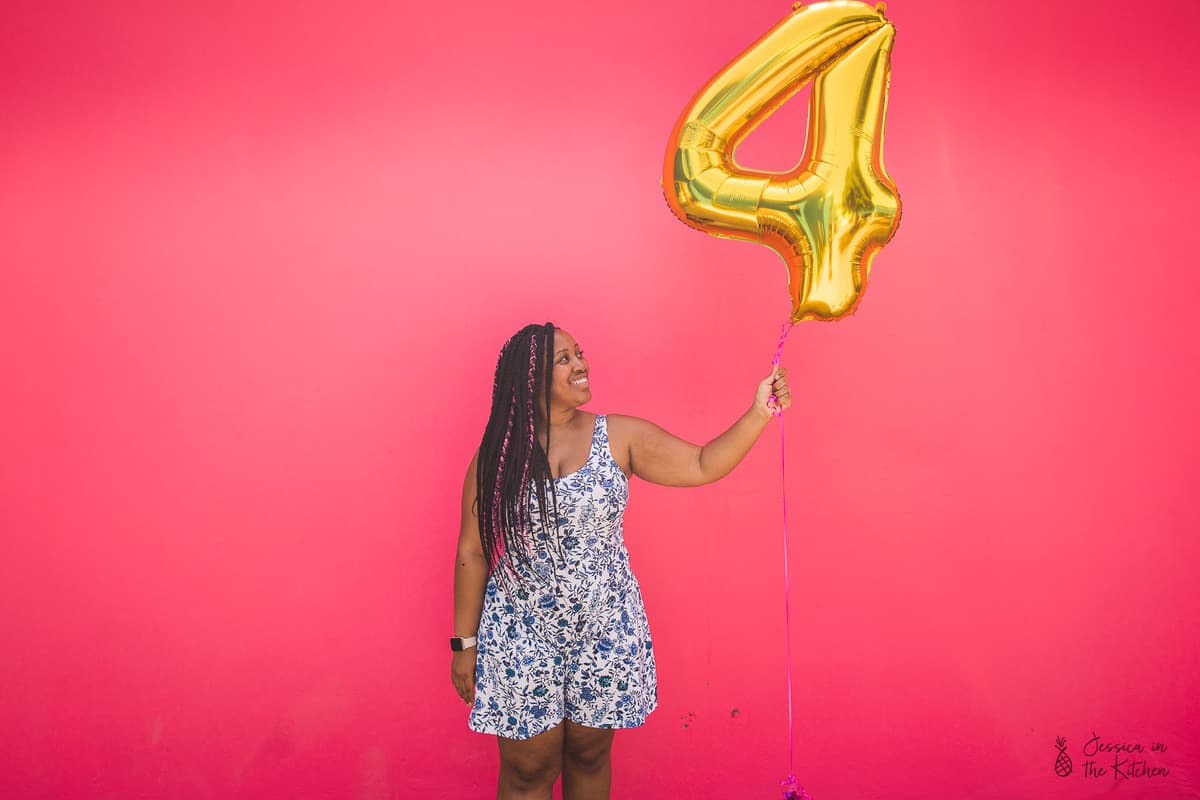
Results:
462 673
775 383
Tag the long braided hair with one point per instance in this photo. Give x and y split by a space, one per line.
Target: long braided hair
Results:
513 467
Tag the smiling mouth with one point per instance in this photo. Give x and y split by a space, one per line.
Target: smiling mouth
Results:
579 381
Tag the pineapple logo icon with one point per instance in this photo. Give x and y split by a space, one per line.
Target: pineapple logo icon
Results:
1062 764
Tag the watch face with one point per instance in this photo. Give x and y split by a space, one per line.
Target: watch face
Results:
456 644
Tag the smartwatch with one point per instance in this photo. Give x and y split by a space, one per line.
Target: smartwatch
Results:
460 643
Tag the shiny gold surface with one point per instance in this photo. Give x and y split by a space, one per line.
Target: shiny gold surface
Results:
831 215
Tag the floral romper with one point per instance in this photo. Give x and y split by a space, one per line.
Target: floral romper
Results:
578 645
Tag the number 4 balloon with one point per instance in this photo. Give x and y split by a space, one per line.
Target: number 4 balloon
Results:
828 217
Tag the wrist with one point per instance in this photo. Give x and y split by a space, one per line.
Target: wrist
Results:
461 643
761 413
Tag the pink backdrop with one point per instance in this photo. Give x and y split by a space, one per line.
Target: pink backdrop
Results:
259 260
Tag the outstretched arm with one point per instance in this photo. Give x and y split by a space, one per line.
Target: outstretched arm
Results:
660 457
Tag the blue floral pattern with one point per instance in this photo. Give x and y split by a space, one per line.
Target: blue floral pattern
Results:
575 644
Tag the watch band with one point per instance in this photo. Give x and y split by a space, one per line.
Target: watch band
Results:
460 643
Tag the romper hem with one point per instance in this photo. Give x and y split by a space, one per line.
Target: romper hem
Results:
637 722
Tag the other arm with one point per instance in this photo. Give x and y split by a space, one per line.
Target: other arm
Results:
470 580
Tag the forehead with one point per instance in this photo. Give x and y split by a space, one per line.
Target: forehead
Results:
563 340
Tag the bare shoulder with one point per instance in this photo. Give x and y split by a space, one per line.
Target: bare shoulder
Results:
468 534
631 428
653 453
471 479
622 431
623 428
625 422
631 436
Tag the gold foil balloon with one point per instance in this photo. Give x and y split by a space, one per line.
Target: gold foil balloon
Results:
830 216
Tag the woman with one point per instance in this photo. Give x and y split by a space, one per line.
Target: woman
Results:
552 647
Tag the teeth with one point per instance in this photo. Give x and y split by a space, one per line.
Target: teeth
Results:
580 382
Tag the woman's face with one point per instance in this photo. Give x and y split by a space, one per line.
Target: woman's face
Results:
570 384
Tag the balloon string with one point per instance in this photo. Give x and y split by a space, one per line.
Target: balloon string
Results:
787 327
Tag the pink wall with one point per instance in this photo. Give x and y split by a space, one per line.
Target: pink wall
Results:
259 260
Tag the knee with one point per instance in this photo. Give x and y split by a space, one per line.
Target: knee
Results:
528 774
588 756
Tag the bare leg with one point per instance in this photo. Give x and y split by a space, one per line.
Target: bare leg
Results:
586 762
529 767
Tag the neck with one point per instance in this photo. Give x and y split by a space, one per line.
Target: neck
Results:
559 418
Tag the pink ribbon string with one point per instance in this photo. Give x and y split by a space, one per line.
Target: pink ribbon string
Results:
791 790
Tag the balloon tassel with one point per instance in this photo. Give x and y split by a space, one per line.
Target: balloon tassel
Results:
793 790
